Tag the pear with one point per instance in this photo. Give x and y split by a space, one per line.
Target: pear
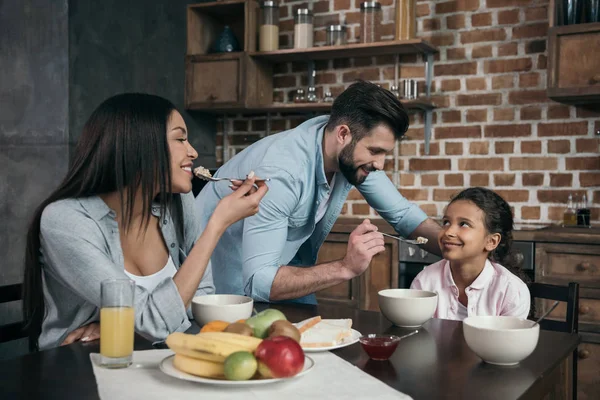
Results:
262 321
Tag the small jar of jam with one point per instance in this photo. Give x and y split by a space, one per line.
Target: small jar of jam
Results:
379 346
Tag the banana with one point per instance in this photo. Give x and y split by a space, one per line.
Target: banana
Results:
197 367
199 355
249 342
200 343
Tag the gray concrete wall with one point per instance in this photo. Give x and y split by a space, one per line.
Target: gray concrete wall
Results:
120 46
33 126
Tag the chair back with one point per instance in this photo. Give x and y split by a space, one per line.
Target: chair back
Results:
568 294
15 330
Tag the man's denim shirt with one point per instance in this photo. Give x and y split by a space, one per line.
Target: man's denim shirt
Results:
284 232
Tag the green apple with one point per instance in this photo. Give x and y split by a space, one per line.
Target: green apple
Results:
262 321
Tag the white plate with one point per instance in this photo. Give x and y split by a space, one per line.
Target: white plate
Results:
347 341
167 367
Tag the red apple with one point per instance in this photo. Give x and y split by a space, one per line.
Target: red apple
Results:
279 357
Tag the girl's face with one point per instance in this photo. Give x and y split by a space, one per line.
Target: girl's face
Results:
182 154
464 236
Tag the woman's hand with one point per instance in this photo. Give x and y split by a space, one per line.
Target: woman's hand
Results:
86 333
242 203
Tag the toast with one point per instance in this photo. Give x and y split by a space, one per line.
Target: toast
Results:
317 332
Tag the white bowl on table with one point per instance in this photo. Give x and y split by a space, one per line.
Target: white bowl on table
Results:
222 307
409 308
501 340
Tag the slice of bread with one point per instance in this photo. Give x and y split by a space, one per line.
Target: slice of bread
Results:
324 332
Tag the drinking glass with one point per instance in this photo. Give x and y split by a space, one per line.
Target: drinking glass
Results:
117 318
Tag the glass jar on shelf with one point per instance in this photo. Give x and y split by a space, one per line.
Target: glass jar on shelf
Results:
327 97
303 29
370 22
269 26
336 35
299 97
311 95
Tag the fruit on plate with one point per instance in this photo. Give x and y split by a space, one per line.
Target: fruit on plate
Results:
240 328
240 366
263 320
279 357
284 328
215 326
198 367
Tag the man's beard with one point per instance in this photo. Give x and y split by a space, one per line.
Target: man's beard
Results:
347 166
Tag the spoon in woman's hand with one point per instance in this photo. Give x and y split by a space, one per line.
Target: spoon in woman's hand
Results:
544 315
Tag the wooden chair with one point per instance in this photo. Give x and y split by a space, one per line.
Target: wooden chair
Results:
568 294
15 330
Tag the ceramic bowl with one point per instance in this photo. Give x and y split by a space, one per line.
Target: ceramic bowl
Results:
222 307
408 308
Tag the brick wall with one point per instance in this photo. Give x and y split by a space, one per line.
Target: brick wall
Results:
494 125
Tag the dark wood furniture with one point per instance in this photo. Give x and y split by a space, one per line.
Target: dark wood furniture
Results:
435 363
15 330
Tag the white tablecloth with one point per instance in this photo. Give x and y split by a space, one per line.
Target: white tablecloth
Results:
330 378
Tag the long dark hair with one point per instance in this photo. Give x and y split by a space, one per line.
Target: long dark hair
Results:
123 148
498 219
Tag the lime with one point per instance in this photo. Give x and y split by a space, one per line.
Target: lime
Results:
240 366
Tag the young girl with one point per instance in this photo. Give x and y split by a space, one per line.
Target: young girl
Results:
124 210
475 277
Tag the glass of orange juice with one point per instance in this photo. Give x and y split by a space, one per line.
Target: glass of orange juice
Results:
117 318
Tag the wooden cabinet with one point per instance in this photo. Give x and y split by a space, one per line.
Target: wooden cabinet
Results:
561 263
573 60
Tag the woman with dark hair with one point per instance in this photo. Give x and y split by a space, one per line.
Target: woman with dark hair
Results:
479 274
125 209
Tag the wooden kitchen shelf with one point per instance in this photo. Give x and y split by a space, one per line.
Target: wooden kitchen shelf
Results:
422 104
392 47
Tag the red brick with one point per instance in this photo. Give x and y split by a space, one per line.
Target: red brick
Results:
508 49
533 163
535 46
407 179
434 149
504 179
483 35
450 117
454 180
531 147
479 99
429 209
562 129
480 180
533 179
476 84
556 196
456 53
561 180
529 31
438 39
514 130
407 148
528 97
423 10
511 65
481 51
325 78
427 164
455 132
536 13
587 112
514 196
530 212
504 114
240 126
444 195
468 68
531 113
503 81
415 194
363 61
457 5
479 148
504 147
344 209
559 146
589 179
559 111
431 24
508 17
482 19
507 3
481 164
477 115
583 163
361 209
455 22
531 79
429 180
586 145
450 85
454 148
318 7
367 74
354 194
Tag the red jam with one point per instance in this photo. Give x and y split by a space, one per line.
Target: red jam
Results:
379 347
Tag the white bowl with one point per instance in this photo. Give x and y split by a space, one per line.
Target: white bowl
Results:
408 308
501 340
222 307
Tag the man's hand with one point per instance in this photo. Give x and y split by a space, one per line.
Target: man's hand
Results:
363 244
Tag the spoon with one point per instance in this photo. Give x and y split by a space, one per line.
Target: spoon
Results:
409 241
409 334
544 315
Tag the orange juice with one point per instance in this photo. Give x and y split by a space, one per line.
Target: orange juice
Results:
116 331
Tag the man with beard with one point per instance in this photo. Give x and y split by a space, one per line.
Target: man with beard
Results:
271 256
